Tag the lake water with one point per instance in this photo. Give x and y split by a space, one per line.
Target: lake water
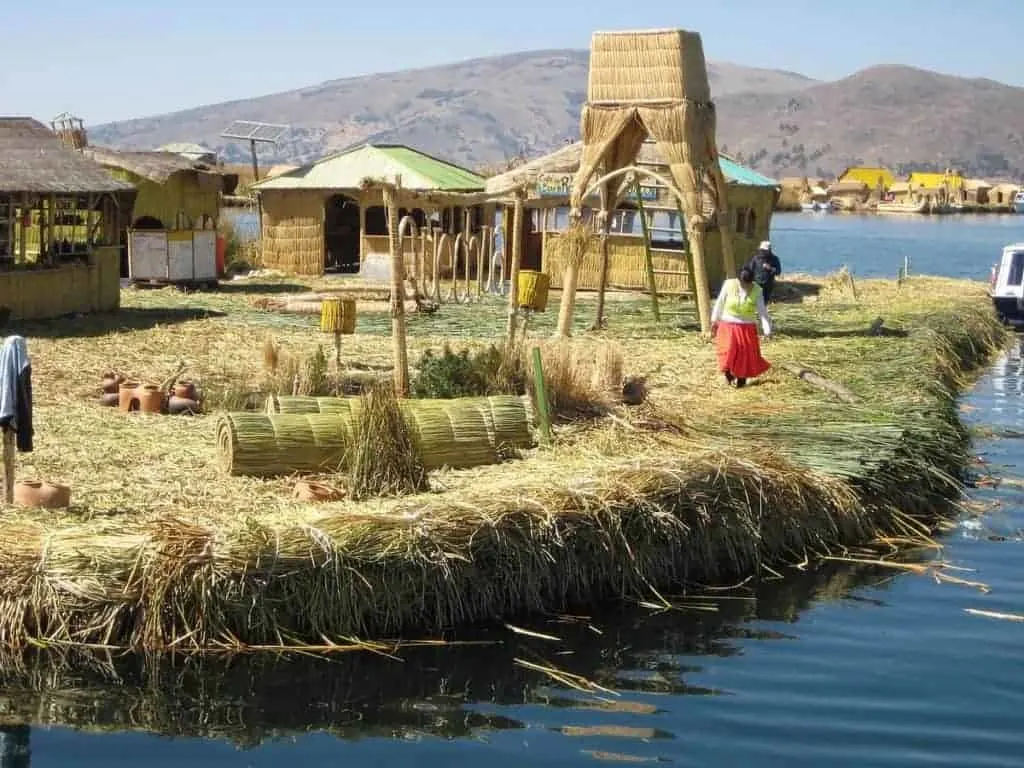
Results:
842 666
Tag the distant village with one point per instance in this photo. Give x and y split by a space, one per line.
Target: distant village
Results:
879 190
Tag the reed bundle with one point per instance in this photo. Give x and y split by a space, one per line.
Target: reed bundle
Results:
313 434
266 446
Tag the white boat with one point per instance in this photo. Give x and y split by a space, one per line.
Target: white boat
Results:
1006 284
815 207
1018 202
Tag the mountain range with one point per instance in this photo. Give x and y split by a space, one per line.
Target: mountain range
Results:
484 113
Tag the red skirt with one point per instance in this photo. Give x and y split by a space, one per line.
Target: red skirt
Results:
739 350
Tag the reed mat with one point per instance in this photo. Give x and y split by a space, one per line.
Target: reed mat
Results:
702 483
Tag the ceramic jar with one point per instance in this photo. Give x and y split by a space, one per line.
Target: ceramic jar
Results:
150 398
37 493
185 390
179 405
310 491
127 397
112 382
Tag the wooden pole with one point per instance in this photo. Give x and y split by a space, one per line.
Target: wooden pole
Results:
398 340
602 281
8 458
543 414
517 255
255 165
648 257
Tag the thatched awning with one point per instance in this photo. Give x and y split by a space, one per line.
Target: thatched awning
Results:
33 159
158 167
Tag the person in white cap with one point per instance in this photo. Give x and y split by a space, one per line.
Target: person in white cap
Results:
766 267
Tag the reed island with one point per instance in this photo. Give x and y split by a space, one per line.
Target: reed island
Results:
164 547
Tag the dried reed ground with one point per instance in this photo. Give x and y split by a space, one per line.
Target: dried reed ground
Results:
161 549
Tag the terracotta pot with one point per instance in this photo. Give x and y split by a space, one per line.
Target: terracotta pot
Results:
128 399
185 390
151 399
110 399
177 405
112 382
310 491
37 493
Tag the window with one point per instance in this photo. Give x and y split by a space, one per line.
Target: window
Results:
667 229
1016 269
376 220
751 223
741 220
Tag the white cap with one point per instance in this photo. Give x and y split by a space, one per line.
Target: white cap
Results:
766 245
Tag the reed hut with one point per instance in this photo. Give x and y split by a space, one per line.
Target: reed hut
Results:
1001 195
976 192
330 215
172 234
60 218
871 177
174 192
546 183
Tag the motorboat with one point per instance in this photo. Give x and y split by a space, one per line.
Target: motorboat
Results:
1006 285
1018 202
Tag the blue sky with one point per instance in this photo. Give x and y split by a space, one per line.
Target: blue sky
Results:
115 59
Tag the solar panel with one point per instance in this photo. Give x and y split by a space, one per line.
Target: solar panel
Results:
249 130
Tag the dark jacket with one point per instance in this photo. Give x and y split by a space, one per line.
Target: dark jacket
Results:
16 392
766 267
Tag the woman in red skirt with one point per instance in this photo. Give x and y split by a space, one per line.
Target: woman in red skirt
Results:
734 319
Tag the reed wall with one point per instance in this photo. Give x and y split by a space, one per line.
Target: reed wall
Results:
293 231
70 288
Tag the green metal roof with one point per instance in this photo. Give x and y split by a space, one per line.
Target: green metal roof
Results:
445 176
740 174
385 162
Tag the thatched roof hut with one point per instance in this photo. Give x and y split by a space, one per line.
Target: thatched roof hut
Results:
175 192
330 213
58 209
35 161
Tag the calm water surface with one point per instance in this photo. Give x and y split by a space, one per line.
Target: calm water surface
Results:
840 666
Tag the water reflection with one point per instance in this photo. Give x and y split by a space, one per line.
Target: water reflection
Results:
1007 381
441 691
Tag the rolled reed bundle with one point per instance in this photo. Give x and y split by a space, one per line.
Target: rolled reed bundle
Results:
458 433
507 417
262 445
452 435
309 404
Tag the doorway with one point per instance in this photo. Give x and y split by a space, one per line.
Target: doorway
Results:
341 234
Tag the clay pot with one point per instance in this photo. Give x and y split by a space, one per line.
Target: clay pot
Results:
177 405
127 396
310 491
151 399
185 390
112 382
37 493
110 399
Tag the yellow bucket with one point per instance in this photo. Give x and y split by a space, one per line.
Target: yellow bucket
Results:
338 315
533 290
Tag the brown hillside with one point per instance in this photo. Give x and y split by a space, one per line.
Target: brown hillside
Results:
485 111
